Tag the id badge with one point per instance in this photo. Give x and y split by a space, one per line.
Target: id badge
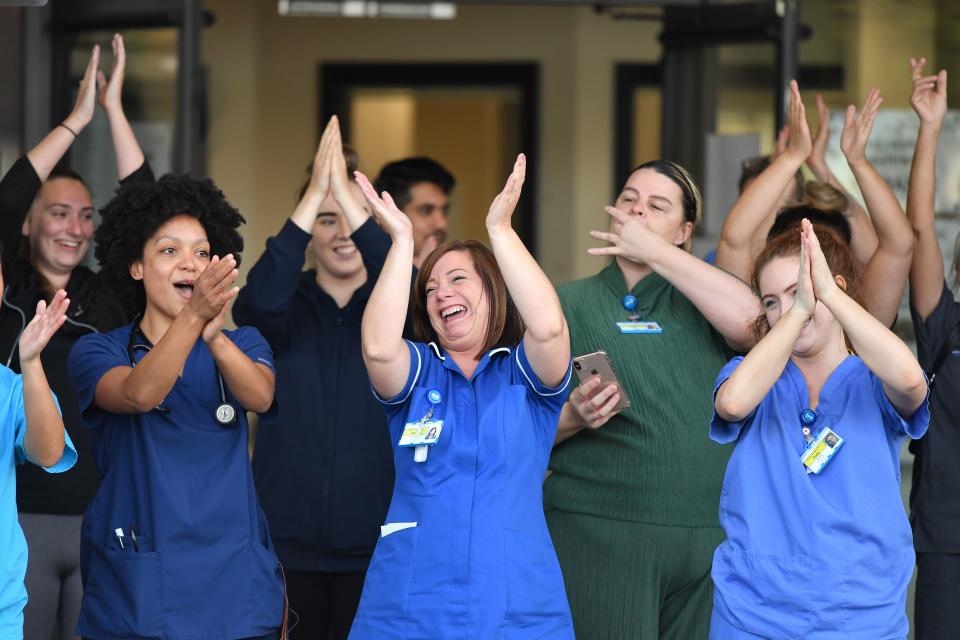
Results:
821 450
420 433
639 327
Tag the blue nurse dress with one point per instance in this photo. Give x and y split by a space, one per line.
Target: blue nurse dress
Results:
817 557
204 566
465 551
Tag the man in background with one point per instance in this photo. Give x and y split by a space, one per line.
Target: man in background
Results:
421 188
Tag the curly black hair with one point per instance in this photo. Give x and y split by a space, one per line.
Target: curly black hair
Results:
137 210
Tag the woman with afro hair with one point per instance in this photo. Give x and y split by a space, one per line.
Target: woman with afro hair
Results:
174 544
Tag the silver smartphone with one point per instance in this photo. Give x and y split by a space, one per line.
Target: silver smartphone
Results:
598 364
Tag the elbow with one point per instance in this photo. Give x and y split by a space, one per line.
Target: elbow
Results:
375 351
915 385
262 402
143 401
49 453
549 330
729 409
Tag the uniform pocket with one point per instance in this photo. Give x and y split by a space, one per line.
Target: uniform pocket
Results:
535 591
386 589
766 593
123 596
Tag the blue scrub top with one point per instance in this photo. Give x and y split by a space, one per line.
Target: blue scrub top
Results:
13 546
475 559
819 557
205 566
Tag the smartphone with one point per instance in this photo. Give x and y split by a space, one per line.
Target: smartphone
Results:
598 364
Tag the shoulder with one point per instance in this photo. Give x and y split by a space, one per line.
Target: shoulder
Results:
578 288
106 342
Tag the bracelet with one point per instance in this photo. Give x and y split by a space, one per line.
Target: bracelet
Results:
68 129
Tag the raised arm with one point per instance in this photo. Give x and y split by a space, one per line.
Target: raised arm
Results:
755 204
546 339
750 382
885 275
140 389
48 152
724 300
929 100
863 238
880 349
125 145
272 282
43 441
381 331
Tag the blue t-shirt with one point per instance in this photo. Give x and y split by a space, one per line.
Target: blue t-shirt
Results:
203 566
13 546
823 556
465 551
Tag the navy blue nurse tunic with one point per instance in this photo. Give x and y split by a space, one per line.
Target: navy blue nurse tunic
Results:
204 566
465 551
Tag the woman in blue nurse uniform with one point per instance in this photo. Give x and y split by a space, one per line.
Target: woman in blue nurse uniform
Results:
818 545
465 551
174 544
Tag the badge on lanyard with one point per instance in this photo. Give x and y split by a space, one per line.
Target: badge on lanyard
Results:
634 324
820 448
425 432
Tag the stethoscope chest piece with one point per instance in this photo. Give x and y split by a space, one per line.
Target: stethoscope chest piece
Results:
226 414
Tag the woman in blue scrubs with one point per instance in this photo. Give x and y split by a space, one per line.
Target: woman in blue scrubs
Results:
174 544
818 545
472 409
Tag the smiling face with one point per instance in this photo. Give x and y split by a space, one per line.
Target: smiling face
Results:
457 303
336 254
656 201
59 226
173 258
778 287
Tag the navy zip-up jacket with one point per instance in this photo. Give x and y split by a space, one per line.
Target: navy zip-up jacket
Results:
324 470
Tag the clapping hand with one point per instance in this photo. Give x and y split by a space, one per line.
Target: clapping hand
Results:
929 97
857 128
110 92
799 143
82 112
44 324
212 289
503 206
388 216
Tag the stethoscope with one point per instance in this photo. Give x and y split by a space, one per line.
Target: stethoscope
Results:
225 413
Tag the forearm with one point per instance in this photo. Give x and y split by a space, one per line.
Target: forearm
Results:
49 151
248 381
129 154
863 237
752 380
879 348
44 438
568 425
531 290
354 211
381 330
724 300
305 215
756 202
893 230
926 269
154 376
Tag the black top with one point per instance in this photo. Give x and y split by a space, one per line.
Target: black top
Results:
93 307
934 504
324 470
